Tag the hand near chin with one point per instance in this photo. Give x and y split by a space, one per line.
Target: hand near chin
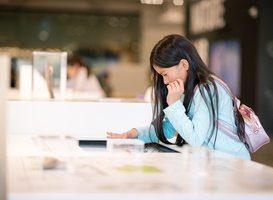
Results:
128 134
175 91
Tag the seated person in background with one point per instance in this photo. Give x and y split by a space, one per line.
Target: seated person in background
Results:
148 96
104 82
81 78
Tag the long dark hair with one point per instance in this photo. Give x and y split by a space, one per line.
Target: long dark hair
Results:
169 52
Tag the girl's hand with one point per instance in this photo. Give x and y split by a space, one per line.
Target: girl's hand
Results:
128 134
175 91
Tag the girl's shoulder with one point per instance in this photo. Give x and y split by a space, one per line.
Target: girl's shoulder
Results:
212 89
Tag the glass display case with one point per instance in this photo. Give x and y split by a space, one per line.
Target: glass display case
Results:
49 74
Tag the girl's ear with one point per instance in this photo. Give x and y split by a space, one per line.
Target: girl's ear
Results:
184 64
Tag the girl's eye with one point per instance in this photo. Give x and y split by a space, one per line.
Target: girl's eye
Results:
164 74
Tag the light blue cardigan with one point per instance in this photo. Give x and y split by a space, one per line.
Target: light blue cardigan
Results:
195 127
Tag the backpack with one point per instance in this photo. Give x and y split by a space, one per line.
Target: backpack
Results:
255 134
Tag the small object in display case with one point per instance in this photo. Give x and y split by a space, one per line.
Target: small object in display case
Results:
125 146
126 151
57 153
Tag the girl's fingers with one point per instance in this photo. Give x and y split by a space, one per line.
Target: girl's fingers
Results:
176 85
180 82
113 135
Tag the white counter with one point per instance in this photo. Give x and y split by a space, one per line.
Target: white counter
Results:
192 174
90 119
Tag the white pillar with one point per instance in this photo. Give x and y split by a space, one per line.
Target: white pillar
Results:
4 80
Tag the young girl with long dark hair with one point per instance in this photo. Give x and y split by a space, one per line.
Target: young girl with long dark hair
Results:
188 101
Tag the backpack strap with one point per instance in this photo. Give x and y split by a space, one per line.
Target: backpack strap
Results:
229 131
236 101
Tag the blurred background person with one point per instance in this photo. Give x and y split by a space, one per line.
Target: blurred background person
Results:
81 78
148 96
105 84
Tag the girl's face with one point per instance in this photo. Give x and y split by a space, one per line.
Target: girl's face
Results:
175 72
72 70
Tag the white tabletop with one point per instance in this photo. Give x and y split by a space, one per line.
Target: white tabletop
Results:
192 174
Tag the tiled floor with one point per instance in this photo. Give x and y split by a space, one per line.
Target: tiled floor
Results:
265 154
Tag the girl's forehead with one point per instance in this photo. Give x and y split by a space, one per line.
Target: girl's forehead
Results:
157 68
161 70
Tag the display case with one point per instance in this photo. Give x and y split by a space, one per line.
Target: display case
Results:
49 74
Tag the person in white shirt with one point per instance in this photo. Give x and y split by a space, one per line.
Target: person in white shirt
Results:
81 78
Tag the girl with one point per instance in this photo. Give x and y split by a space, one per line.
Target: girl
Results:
187 101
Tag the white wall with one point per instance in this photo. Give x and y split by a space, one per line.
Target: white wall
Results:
128 80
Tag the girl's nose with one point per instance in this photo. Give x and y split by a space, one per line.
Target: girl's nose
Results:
166 81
